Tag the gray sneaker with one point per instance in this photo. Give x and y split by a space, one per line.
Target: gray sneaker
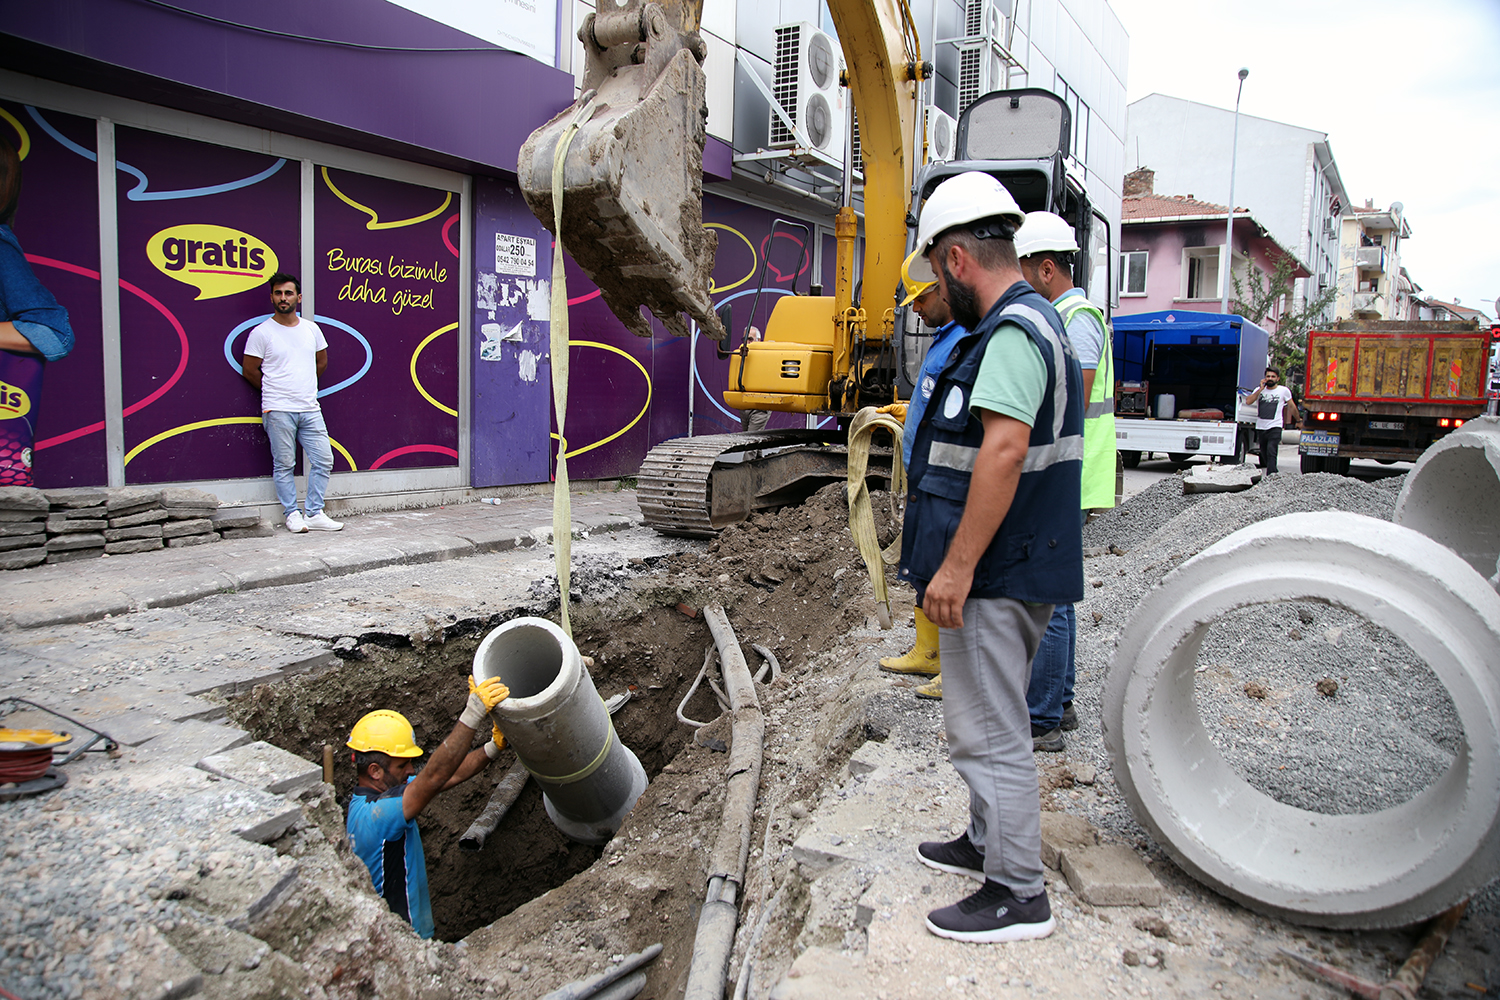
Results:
994 915
1047 740
956 857
1069 719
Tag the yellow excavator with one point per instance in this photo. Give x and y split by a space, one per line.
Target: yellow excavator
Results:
630 178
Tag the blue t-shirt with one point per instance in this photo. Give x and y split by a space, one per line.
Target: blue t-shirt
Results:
943 340
391 847
26 302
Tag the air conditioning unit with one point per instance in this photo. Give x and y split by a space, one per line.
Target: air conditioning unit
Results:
807 88
981 69
942 134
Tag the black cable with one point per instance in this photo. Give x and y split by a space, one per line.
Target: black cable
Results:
322 41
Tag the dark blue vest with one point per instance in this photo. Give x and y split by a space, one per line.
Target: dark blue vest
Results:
1037 553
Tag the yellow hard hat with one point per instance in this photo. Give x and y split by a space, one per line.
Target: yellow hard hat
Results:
386 732
917 275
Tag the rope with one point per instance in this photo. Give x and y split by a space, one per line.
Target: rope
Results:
24 765
562 501
861 514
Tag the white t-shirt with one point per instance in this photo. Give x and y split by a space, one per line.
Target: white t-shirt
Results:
288 364
1269 407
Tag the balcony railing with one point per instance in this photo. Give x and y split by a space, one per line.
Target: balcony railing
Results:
1370 258
1368 302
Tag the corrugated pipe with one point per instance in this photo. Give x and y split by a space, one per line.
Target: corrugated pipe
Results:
560 729
726 872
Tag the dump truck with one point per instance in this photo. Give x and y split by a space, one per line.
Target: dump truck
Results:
1385 390
1179 377
626 159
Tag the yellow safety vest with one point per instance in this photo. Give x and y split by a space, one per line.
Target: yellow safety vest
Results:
1098 415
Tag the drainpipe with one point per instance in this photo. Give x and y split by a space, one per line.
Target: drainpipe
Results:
560 729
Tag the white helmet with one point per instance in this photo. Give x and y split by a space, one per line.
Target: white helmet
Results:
1043 231
966 198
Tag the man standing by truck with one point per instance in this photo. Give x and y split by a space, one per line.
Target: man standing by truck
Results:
1271 400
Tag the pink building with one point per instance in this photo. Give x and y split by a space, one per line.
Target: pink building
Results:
1172 252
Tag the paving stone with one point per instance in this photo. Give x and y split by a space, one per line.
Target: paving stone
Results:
12 529
22 542
131 545
58 524
182 496
261 530
177 590
226 519
75 555
133 728
65 543
261 765
80 609
126 534
190 741
21 558
819 973
1220 478
152 515
10 515
191 526
186 540
278 574
1063 832
78 496
100 512
127 499
1111 875
23 498
250 813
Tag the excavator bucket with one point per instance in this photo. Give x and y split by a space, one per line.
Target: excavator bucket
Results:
633 173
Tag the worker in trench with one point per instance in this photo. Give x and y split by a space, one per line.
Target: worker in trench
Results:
992 542
391 793
923 296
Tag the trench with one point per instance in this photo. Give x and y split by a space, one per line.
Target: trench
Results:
654 654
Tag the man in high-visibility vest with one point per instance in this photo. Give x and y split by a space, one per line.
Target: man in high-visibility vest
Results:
1045 245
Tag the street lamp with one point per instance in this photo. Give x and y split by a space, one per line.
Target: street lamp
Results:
1229 225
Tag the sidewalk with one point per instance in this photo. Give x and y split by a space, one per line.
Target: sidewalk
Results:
86 591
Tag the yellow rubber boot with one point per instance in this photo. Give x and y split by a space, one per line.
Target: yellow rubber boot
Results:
923 658
932 690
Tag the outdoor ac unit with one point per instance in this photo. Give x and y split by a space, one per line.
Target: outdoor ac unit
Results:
807 88
980 67
942 135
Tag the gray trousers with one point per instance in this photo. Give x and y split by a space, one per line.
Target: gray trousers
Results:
986 669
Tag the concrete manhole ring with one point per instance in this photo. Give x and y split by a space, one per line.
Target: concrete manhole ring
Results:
1384 869
1452 495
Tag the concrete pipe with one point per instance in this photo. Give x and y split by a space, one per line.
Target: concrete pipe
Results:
1452 495
558 726
1382 869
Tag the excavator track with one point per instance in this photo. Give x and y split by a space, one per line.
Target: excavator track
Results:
694 486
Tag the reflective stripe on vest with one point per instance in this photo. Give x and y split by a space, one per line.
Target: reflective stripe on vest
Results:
1098 482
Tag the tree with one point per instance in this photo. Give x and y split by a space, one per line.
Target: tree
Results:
1265 293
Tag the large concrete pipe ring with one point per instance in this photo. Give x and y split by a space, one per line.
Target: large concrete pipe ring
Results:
1384 869
558 726
1452 495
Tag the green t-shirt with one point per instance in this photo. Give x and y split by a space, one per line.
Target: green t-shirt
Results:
1012 376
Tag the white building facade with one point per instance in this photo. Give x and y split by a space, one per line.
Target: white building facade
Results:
1287 175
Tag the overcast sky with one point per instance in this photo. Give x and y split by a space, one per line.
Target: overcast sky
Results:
1408 92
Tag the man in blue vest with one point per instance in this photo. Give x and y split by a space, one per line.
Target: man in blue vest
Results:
992 541
383 810
1045 246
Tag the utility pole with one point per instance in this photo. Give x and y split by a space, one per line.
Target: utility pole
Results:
1229 225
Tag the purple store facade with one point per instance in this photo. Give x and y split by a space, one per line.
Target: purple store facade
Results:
174 157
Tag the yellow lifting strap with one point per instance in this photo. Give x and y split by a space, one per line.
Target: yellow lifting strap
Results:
861 514
562 501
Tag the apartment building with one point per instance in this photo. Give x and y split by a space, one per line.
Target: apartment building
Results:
1371 281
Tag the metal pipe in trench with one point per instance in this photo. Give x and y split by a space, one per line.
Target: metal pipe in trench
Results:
726 873
560 729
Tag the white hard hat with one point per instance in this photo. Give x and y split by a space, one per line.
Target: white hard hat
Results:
1043 231
966 198
917 275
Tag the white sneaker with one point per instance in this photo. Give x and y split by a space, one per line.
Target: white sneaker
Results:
295 523
322 522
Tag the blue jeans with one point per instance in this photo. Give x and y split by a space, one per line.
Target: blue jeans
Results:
1053 671
286 431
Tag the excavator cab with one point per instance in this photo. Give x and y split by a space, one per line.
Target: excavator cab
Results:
1023 139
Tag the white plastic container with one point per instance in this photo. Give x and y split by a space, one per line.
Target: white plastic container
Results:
1166 406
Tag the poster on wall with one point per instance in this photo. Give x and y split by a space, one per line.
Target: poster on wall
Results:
201 229
386 266
52 414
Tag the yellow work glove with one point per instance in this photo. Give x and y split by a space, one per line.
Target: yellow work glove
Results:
897 410
482 698
496 744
